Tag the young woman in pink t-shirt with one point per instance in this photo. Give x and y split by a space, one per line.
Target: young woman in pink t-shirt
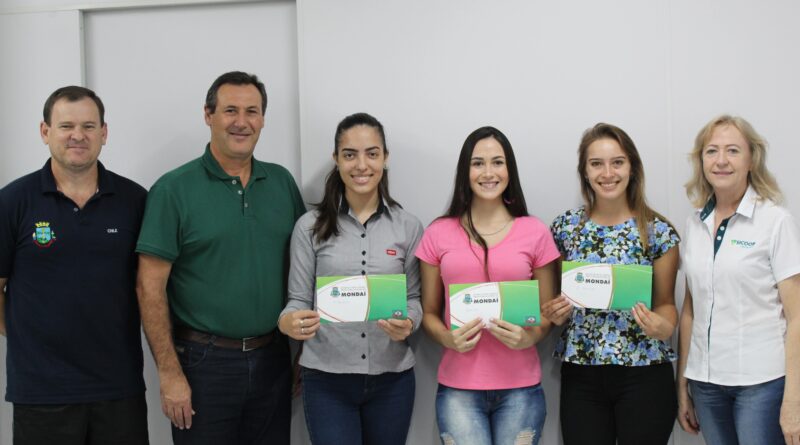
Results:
489 377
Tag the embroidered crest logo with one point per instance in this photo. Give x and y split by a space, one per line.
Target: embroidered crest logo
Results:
43 235
579 277
335 292
467 299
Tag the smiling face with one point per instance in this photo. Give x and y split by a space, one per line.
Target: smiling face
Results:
488 174
608 170
75 136
727 160
236 122
360 159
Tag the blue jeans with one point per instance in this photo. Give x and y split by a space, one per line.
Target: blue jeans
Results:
238 397
353 409
502 416
732 415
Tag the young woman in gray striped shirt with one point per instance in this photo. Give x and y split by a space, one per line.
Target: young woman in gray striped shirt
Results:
358 381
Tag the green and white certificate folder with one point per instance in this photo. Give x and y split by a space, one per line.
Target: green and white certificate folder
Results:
516 302
607 286
361 298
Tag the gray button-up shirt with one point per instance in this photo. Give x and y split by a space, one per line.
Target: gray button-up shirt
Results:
385 245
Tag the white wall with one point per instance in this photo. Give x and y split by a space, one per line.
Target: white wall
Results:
32 67
738 57
432 71
27 6
153 67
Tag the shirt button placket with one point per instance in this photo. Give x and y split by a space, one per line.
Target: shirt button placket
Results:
240 191
364 248
710 314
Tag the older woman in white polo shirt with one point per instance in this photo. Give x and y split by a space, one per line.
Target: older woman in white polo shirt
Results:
739 365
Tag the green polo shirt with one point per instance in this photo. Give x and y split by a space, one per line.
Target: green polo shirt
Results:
228 244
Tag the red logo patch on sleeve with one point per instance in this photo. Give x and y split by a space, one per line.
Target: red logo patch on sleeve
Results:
391 252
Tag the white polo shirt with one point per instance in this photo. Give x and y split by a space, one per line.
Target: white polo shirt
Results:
739 328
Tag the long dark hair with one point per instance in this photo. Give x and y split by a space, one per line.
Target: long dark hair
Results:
634 194
461 202
327 224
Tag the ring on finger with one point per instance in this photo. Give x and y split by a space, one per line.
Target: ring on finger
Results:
303 330
302 320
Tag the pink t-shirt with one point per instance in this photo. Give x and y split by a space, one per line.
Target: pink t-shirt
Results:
528 245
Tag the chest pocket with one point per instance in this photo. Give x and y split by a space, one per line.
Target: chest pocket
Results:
388 259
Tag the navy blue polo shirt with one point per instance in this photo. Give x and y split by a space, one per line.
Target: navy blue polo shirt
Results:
72 318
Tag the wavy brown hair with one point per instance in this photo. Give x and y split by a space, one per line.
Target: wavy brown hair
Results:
634 193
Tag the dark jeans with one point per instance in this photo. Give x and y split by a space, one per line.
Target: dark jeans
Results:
238 397
115 422
353 409
624 405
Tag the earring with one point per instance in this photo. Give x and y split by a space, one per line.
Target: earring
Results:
386 166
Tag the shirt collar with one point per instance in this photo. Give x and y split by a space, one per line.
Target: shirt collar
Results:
344 208
708 208
212 166
105 183
748 204
746 207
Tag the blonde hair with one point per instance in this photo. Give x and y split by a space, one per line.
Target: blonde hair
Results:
699 190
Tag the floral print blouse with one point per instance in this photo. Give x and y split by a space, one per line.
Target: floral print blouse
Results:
609 337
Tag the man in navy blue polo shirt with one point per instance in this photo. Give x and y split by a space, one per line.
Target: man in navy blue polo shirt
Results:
67 287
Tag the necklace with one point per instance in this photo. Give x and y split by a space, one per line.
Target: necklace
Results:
496 231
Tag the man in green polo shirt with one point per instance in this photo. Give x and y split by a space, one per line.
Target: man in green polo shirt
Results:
212 278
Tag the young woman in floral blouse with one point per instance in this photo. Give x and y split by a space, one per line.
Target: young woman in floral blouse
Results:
617 384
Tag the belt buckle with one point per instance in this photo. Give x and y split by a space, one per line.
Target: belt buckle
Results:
244 344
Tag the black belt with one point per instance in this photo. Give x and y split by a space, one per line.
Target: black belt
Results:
242 344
